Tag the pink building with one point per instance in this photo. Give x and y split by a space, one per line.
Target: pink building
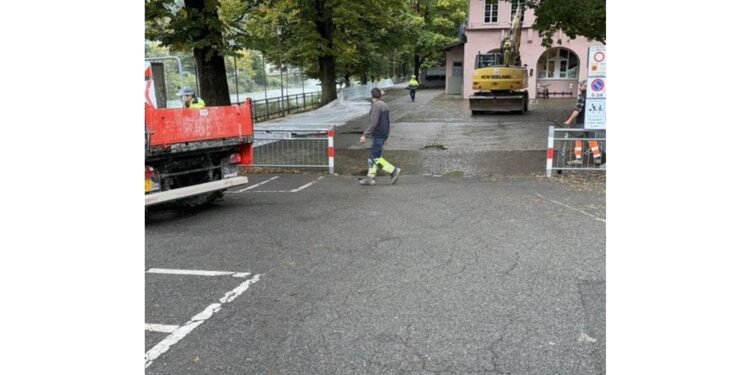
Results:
558 68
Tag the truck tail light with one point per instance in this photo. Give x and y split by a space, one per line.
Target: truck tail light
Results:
234 159
151 179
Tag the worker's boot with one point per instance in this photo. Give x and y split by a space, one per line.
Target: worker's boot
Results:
394 176
367 181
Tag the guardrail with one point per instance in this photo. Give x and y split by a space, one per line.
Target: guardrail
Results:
561 150
357 92
266 109
294 148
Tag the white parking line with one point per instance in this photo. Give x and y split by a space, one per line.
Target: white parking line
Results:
198 272
161 328
307 185
254 186
182 331
573 208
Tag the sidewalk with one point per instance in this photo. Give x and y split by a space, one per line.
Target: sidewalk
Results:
334 114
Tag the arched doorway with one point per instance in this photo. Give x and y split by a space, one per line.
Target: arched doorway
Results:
557 70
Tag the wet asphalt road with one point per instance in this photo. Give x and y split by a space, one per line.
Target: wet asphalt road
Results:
438 135
479 271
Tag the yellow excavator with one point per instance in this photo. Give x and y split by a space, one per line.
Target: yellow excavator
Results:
499 79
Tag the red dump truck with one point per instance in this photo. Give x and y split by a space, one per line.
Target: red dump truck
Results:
194 154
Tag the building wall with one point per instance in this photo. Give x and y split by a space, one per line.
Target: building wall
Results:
455 54
481 37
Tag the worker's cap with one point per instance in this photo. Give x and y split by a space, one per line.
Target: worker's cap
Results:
413 76
186 91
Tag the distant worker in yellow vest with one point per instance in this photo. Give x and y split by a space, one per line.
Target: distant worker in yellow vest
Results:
189 98
412 86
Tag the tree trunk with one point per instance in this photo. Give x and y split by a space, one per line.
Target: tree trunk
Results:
212 77
327 66
364 78
326 61
416 65
212 73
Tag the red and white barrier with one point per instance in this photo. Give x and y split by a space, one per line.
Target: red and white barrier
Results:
330 150
550 150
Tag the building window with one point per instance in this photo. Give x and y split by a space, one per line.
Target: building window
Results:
490 11
557 63
513 7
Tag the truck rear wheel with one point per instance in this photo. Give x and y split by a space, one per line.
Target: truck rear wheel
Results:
202 199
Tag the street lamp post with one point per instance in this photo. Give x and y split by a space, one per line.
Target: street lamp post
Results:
265 79
281 72
302 76
236 81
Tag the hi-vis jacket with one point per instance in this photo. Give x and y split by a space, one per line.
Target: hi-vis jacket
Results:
196 103
413 83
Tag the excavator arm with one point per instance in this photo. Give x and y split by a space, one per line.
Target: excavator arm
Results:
512 44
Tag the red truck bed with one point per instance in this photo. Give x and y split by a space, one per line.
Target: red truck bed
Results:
180 129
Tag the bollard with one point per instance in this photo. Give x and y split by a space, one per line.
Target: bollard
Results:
550 149
330 150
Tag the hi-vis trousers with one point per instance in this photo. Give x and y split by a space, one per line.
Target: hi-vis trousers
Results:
375 159
594 145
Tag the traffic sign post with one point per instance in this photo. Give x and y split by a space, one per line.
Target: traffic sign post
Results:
596 92
597 61
596 113
596 89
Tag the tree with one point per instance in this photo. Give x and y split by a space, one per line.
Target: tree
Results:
435 24
329 39
196 27
586 18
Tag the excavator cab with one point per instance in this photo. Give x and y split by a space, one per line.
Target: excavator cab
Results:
488 60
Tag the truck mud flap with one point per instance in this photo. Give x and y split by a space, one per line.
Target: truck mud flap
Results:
496 103
170 195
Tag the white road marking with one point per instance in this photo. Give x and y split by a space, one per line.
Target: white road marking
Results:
161 328
182 331
234 293
307 185
254 186
197 272
573 208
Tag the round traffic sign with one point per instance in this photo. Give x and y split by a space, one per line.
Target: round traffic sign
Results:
597 84
599 56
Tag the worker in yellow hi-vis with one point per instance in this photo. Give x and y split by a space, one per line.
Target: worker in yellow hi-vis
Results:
379 128
412 86
189 98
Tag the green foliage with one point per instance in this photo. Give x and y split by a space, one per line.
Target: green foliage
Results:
249 69
364 38
184 28
436 24
586 18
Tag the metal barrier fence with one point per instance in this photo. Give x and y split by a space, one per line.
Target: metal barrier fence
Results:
266 109
357 92
293 148
561 143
